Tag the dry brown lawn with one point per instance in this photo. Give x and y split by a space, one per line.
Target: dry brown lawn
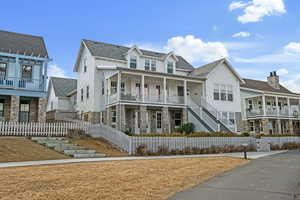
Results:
21 149
100 145
132 180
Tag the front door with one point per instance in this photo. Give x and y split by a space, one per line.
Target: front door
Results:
137 90
24 112
148 121
137 122
158 122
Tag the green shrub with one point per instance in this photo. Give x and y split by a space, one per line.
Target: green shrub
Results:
142 150
245 134
129 132
187 128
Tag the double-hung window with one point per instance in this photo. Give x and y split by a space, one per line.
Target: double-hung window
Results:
113 115
84 65
147 65
81 94
216 92
170 67
87 92
153 65
223 92
229 93
3 67
113 88
133 62
177 119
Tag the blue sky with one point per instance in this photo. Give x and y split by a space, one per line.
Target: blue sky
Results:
257 36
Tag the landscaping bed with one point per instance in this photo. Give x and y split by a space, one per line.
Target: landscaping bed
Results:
23 149
138 179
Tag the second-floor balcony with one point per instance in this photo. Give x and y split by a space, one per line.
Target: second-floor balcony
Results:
19 83
272 107
156 90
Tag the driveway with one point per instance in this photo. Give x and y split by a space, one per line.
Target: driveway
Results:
269 178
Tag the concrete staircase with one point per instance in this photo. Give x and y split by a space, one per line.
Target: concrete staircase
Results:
62 145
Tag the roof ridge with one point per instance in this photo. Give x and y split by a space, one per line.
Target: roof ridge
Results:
24 34
116 45
62 78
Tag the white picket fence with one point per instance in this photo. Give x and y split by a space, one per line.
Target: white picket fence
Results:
40 129
281 140
180 143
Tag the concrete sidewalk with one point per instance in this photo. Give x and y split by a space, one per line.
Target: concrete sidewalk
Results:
251 155
274 177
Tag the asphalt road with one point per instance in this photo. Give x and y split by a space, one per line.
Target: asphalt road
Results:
269 178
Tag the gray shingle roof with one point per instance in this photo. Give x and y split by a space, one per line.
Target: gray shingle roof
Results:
264 86
118 52
63 86
204 70
23 44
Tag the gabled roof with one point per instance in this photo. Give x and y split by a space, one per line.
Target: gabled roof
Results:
264 86
22 44
63 86
116 52
204 70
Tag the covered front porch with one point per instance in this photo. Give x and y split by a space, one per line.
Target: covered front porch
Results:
142 119
151 89
272 126
22 108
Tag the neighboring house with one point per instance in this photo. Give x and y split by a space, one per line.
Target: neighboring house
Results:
23 74
269 108
151 92
62 96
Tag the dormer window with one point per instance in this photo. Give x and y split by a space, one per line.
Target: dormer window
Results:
133 62
147 65
153 65
170 67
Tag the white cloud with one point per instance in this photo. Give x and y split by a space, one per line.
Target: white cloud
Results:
241 34
290 53
255 10
282 71
55 70
195 50
292 47
293 83
237 4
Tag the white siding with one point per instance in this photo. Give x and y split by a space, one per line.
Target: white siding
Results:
222 75
52 98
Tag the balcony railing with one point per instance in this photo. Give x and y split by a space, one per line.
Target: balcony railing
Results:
175 99
148 99
154 99
18 83
283 112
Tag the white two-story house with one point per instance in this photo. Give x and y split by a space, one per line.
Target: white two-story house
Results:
143 91
269 108
23 74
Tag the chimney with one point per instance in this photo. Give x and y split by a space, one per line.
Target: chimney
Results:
273 80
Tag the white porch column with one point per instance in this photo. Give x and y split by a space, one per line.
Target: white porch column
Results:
119 86
143 87
185 92
108 90
264 104
277 107
289 106
165 90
